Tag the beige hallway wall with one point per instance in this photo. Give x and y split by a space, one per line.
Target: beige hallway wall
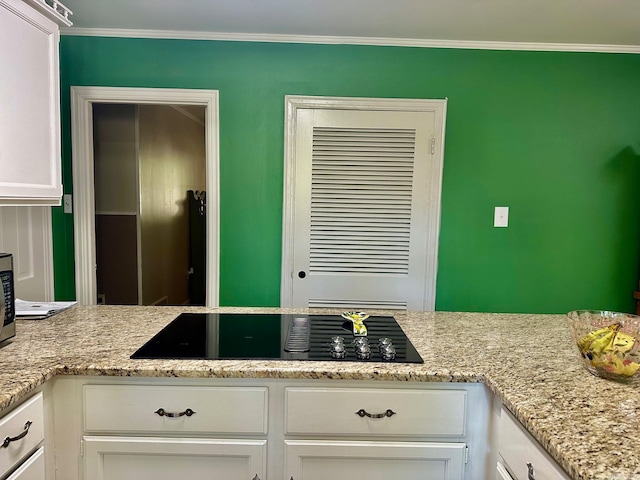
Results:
171 156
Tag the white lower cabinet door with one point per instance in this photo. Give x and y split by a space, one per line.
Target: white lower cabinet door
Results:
131 458
322 460
32 469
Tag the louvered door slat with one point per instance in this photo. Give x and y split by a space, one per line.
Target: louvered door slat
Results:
336 210
352 184
328 233
365 167
355 217
346 226
339 199
364 195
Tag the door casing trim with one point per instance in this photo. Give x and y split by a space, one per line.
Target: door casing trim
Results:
82 99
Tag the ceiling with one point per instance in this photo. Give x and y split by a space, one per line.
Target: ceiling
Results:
592 25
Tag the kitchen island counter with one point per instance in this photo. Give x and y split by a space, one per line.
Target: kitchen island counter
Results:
588 425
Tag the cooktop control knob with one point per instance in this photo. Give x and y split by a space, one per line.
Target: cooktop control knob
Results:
338 350
388 353
363 351
361 341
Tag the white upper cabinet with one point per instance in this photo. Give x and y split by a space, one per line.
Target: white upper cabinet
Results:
30 168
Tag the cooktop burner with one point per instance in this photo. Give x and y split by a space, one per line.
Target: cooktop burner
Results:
273 336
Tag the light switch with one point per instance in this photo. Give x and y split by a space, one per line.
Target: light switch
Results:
501 217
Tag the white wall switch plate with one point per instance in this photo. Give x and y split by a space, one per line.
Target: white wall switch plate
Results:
67 203
501 217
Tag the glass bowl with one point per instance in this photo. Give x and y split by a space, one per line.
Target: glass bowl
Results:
609 343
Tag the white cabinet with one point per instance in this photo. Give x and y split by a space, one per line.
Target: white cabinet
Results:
22 434
374 460
353 411
416 418
131 408
109 428
30 99
139 432
130 458
521 457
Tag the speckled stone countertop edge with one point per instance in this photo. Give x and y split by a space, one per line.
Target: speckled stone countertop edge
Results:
31 381
279 371
25 386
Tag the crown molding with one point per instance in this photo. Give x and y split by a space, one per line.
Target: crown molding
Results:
378 41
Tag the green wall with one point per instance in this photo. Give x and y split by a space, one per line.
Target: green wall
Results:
554 136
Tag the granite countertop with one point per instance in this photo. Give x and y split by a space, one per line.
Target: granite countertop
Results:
589 425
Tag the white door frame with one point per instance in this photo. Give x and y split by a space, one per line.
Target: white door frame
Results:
82 99
293 103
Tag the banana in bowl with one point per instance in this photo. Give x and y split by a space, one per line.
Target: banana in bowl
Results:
609 343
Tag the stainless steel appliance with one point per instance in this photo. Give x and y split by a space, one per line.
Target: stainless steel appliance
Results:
274 336
7 299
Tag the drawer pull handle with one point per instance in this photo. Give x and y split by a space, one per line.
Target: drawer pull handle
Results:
163 413
363 413
8 440
531 475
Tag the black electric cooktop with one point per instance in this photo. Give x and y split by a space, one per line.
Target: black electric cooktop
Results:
271 336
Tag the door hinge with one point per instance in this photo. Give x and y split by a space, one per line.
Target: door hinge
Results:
466 454
433 145
82 448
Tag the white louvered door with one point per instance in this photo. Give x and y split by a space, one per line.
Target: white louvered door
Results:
366 212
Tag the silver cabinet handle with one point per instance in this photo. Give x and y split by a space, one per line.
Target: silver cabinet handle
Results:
531 475
363 413
8 440
163 413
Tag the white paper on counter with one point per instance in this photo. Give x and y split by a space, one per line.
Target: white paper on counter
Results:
34 310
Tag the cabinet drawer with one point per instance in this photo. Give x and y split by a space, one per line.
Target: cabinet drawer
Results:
518 448
118 408
335 411
17 423
31 469
502 473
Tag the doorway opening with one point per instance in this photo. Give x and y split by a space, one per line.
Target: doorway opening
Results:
87 199
150 204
